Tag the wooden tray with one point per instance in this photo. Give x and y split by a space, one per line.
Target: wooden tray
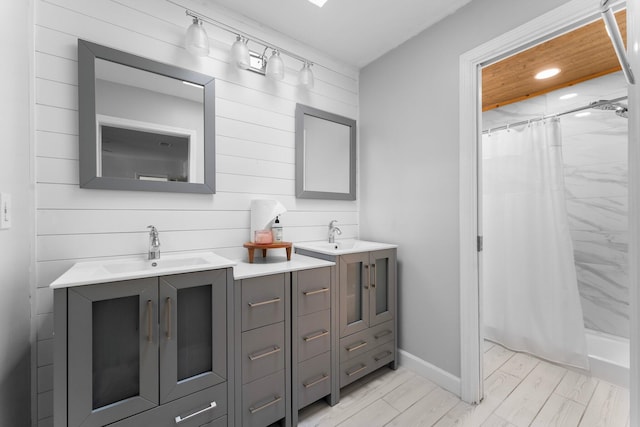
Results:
276 245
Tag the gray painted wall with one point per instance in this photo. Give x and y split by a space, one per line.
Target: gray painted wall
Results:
409 167
15 358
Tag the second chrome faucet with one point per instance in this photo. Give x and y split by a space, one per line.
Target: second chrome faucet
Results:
333 230
154 243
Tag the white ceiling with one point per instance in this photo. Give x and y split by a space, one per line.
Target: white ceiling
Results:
354 31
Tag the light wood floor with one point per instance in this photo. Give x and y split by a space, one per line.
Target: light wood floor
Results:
520 390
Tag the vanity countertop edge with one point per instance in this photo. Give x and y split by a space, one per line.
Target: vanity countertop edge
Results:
267 266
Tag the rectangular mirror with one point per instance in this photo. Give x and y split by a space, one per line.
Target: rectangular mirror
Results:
325 155
143 124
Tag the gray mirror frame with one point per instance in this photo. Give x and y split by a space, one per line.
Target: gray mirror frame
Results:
87 54
301 192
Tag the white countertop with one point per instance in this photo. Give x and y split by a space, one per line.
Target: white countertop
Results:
276 264
112 270
341 247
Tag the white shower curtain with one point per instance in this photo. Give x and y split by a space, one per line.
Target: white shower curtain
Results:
530 290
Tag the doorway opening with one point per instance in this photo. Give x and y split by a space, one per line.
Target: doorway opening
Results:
573 14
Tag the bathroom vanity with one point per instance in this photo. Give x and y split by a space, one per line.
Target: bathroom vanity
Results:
367 294
199 340
137 344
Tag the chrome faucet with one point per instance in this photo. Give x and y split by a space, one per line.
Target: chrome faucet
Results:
333 230
154 243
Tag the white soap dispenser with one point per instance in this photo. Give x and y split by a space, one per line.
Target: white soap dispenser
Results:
276 229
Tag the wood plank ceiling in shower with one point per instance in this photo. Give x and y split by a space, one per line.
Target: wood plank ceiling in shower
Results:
582 54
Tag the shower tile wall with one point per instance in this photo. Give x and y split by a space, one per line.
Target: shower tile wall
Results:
595 172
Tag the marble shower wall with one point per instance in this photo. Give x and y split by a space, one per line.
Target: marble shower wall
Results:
595 171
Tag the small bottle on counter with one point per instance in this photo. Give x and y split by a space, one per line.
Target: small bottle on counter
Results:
277 230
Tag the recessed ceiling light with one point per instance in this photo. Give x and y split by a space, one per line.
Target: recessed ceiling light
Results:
583 114
318 3
549 72
568 96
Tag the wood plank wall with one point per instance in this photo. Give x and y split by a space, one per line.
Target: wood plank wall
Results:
254 149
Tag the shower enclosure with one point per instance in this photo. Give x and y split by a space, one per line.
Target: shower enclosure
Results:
595 174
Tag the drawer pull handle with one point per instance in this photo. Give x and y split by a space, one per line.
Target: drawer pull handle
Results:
179 419
149 317
373 274
168 326
274 350
317 291
382 355
275 400
360 369
356 347
382 334
324 377
258 304
366 283
322 333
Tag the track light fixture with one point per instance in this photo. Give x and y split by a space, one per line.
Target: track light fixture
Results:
305 76
197 41
240 53
242 57
275 66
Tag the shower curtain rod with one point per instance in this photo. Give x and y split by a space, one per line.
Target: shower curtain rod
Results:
549 116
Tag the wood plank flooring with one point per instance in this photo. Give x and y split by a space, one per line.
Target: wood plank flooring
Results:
520 390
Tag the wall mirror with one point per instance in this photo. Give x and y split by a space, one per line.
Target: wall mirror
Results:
325 155
144 125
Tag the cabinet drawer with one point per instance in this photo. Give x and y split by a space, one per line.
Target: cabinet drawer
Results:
314 337
382 355
194 410
355 368
314 290
363 341
262 301
360 366
263 401
314 379
355 345
382 333
262 352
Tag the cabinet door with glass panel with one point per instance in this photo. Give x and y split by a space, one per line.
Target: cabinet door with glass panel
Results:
354 293
367 290
382 286
137 344
112 351
193 333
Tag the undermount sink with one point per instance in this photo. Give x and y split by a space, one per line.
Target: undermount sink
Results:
341 247
91 272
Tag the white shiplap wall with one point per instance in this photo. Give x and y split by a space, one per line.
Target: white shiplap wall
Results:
254 148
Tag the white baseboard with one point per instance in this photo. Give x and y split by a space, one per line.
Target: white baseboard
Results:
440 377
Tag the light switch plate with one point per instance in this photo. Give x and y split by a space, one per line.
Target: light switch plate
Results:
5 211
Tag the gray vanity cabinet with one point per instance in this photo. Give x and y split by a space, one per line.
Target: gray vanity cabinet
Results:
368 336
263 350
367 287
149 351
313 335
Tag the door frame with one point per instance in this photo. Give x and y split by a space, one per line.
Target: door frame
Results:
551 24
